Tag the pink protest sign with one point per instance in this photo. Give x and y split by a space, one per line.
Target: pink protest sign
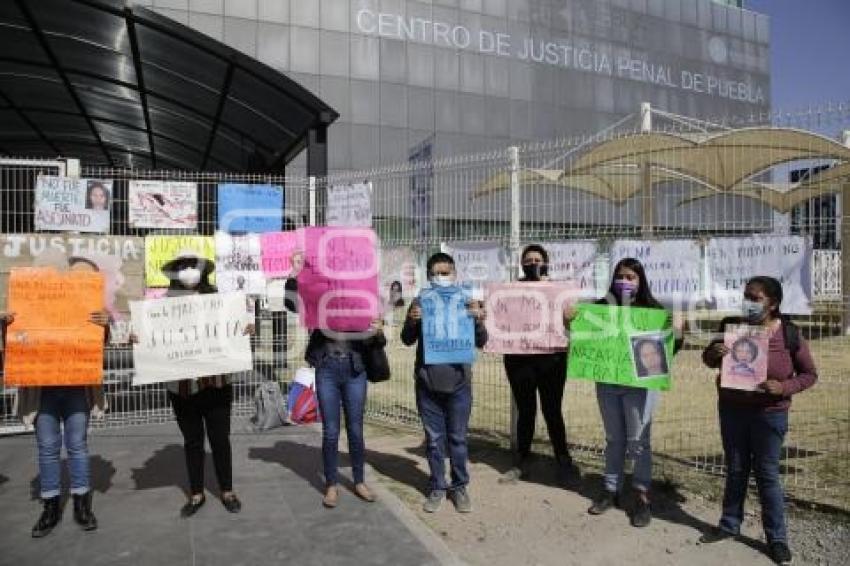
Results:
338 285
527 318
276 251
745 366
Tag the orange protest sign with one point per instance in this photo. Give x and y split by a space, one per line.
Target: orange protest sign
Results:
51 341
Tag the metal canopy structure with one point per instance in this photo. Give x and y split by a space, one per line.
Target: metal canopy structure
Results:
119 85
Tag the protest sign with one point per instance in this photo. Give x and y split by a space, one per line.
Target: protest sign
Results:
621 345
349 205
237 264
528 317
478 262
448 330
162 204
119 258
51 341
574 261
277 249
72 205
160 249
338 285
745 366
250 208
732 261
673 268
190 337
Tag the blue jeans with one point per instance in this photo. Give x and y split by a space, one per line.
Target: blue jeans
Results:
70 407
445 418
341 380
627 417
752 440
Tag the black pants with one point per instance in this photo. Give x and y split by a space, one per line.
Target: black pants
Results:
211 408
529 375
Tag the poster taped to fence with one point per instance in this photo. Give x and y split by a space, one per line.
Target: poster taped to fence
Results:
163 204
527 318
51 341
238 263
448 329
745 366
732 261
72 205
119 258
160 249
190 337
250 208
277 249
478 263
621 345
574 261
338 285
673 268
349 205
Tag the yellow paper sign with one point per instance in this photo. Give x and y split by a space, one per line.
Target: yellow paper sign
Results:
159 250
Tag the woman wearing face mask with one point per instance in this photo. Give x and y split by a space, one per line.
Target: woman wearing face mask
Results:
203 403
627 411
543 375
753 424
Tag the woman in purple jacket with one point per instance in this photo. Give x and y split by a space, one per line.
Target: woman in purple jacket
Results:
753 424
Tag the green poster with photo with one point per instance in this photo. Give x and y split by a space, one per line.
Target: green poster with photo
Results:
621 345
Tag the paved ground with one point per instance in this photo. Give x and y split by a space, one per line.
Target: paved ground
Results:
139 480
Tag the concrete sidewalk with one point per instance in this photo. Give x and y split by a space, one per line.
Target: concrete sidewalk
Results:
139 479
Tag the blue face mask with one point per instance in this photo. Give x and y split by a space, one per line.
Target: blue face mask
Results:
752 311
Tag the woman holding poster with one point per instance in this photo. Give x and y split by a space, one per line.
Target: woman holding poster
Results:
61 415
753 423
531 375
203 403
627 411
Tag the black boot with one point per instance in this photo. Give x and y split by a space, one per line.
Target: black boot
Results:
50 517
82 512
568 473
519 470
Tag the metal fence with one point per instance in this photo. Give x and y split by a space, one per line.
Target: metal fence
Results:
427 204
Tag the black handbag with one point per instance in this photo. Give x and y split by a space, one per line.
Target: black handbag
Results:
377 364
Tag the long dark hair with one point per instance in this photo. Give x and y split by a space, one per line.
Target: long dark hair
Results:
772 289
643 297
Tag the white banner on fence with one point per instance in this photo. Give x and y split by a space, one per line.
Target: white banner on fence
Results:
72 205
238 263
478 262
731 261
574 262
190 337
163 204
673 268
349 205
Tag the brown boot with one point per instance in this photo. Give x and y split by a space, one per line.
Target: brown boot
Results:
364 493
331 497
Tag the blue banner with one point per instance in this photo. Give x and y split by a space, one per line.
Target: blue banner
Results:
448 330
250 208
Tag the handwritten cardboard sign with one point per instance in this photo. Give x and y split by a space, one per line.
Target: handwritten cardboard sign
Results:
349 205
160 249
574 261
448 330
745 366
237 263
162 204
277 249
338 285
621 345
527 318
673 267
250 208
73 205
52 341
190 337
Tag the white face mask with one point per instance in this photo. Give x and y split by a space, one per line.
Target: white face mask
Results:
442 280
189 277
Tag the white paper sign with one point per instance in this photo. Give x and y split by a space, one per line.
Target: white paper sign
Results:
163 204
478 262
732 261
190 337
673 268
574 262
72 205
349 205
238 263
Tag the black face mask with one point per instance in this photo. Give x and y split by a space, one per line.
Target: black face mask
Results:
535 271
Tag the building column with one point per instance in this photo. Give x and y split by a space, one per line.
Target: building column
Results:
317 167
845 247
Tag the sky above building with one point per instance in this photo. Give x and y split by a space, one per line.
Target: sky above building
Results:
810 51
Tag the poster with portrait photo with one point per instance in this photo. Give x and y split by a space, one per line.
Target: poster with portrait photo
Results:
650 358
745 366
72 205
